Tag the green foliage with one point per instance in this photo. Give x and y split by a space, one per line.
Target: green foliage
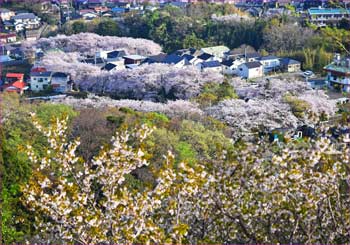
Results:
47 112
213 93
107 27
79 26
299 107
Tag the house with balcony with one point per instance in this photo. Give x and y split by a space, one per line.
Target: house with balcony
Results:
323 17
26 21
338 74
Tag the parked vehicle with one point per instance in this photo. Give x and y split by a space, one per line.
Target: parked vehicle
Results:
308 74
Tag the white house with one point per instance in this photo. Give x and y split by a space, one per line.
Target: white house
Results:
250 70
6 14
60 82
40 80
214 66
270 63
26 20
176 60
230 66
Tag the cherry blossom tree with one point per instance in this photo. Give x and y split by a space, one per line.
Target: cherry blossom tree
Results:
298 193
89 43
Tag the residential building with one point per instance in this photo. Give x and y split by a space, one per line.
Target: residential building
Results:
250 70
40 80
14 83
133 59
338 74
8 38
26 21
214 66
290 65
270 63
230 66
6 14
217 51
250 57
322 16
60 82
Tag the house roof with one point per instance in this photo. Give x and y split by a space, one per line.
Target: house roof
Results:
338 68
15 75
159 58
19 85
227 63
331 11
92 61
41 74
253 55
188 57
109 67
215 50
205 56
116 54
172 59
269 57
59 74
24 16
211 64
254 64
131 66
288 61
134 57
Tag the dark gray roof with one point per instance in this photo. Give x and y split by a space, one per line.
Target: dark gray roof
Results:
268 57
204 56
116 54
92 61
159 58
288 61
210 64
109 67
41 74
254 64
188 57
24 16
253 55
172 59
227 62
59 74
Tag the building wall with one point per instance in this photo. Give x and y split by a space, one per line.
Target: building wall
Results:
39 83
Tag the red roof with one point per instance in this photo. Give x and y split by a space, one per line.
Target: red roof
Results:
15 75
19 85
38 69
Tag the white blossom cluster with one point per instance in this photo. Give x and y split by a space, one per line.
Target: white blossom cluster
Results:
150 82
297 195
89 43
170 108
262 105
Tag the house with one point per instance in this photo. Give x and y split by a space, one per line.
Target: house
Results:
159 58
326 16
118 11
6 14
290 65
217 51
94 61
89 15
8 38
40 80
214 66
250 70
250 57
26 21
176 60
60 82
190 58
230 65
317 83
270 63
113 55
133 59
338 73
95 3
14 82
111 67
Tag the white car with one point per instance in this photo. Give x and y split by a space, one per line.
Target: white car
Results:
308 74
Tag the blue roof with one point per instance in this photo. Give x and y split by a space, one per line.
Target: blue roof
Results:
118 10
172 59
316 11
269 57
209 64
